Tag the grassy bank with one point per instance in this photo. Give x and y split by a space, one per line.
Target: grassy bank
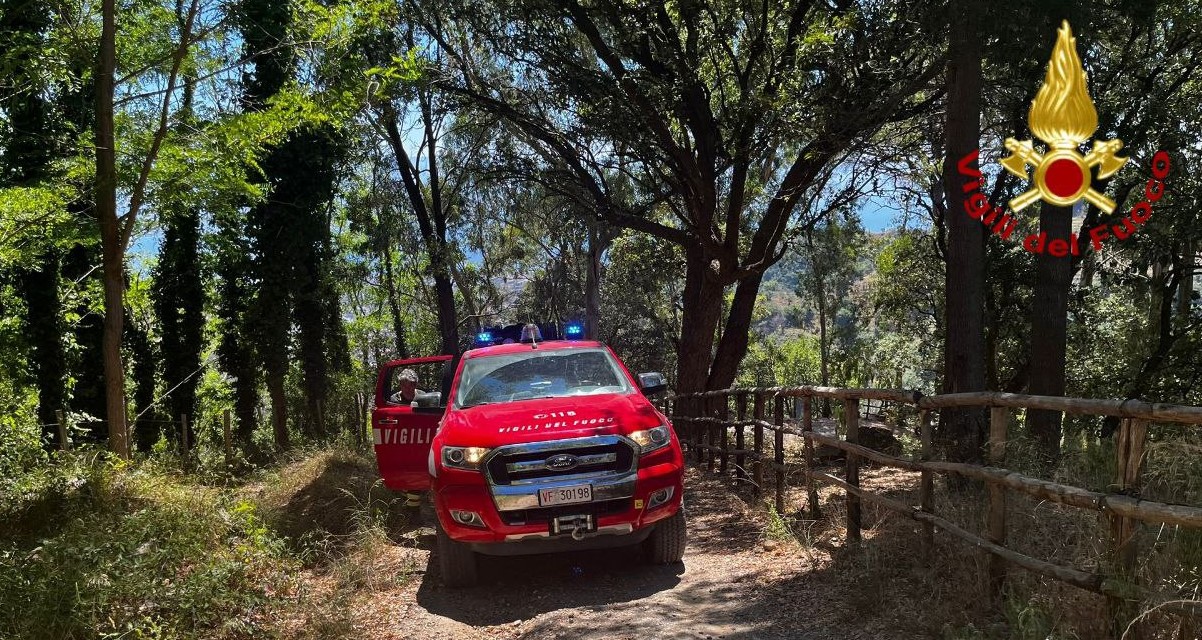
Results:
95 548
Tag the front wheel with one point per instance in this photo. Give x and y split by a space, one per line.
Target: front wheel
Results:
456 561
667 542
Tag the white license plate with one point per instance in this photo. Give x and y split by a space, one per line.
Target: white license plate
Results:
565 495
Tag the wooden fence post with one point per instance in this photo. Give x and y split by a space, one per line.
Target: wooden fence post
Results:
926 492
757 443
724 437
225 433
1129 453
851 418
63 443
807 426
740 439
183 438
999 418
360 419
710 404
693 407
778 450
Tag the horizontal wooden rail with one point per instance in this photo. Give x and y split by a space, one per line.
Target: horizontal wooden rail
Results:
1121 408
1076 577
706 435
1145 510
891 395
1131 408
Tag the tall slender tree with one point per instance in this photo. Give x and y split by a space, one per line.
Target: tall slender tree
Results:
115 230
178 291
28 150
264 25
964 357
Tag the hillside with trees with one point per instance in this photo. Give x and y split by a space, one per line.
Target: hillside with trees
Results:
229 214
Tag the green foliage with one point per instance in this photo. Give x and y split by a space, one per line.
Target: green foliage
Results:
790 362
33 219
640 313
20 438
906 297
135 553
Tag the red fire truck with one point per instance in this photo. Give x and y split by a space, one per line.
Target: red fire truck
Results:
538 447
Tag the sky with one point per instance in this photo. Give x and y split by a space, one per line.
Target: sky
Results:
875 216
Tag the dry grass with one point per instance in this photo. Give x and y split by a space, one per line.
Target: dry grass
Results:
947 595
349 531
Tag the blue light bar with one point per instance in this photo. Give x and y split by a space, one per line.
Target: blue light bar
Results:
573 331
484 337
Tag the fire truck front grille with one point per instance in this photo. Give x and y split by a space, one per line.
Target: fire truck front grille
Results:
556 459
543 515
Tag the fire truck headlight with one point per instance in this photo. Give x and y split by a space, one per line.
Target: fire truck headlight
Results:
652 439
463 457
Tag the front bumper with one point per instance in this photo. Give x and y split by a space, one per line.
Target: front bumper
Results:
619 509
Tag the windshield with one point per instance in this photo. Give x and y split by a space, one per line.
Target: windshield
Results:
539 374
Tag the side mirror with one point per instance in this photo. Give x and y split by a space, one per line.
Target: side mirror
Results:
653 383
428 403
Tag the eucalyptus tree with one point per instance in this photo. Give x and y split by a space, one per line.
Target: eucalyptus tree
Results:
731 116
416 122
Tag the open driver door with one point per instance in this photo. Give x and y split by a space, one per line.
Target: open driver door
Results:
401 435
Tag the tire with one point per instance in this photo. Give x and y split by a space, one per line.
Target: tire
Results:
666 543
456 561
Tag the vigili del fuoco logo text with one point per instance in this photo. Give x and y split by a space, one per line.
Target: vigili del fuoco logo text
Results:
1063 117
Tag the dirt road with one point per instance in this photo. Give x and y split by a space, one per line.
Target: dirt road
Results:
734 583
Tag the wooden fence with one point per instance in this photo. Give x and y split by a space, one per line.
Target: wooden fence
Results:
704 424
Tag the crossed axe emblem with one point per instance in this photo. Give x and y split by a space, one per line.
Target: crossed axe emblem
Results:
1062 176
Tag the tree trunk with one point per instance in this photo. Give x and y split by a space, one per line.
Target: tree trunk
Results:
1185 291
733 345
824 350
110 234
43 326
1049 331
465 292
962 431
144 428
431 219
592 285
279 410
448 324
701 303
394 304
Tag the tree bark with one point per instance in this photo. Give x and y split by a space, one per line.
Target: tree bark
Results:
394 304
279 410
701 303
110 234
735 333
1049 331
824 350
592 285
962 431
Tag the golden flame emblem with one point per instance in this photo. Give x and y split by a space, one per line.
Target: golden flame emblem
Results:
1063 116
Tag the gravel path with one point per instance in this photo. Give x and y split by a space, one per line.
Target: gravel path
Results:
733 583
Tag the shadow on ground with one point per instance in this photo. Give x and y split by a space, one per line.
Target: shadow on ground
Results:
520 588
